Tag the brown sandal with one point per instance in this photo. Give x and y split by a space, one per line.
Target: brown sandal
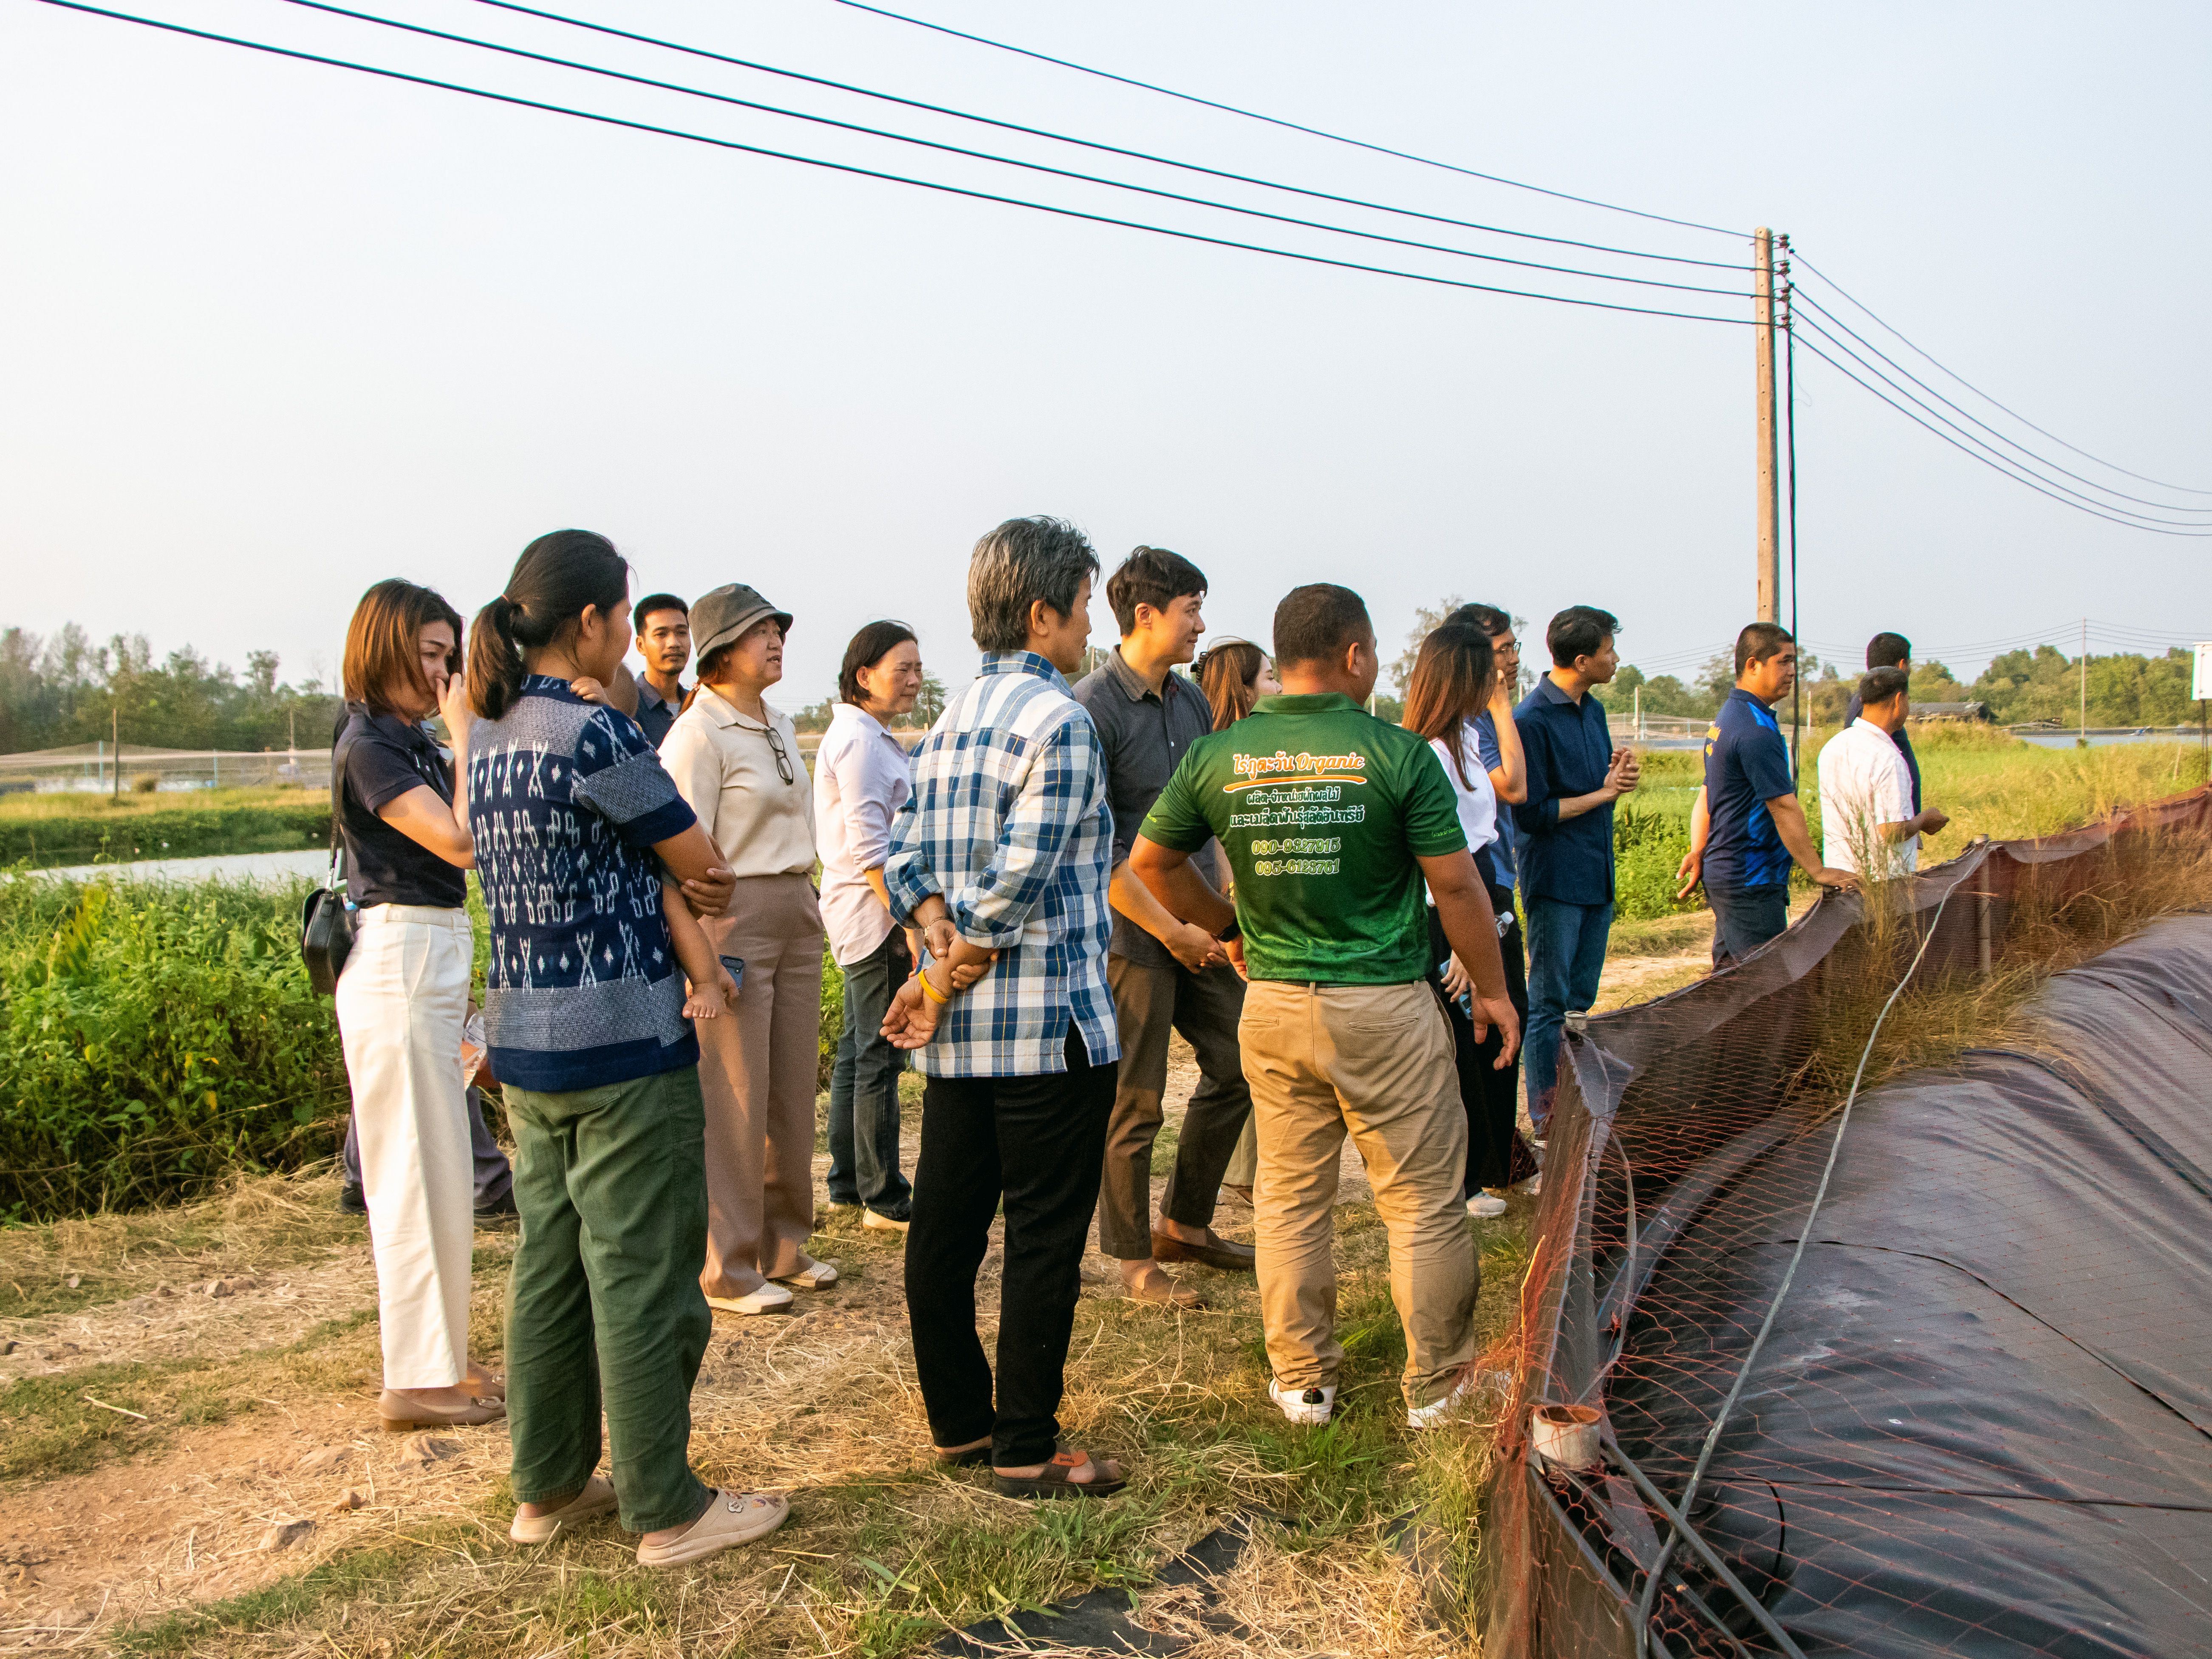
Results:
1053 1480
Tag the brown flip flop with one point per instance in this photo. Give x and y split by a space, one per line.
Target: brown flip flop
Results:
1052 1481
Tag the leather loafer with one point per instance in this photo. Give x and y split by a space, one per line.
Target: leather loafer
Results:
1215 1252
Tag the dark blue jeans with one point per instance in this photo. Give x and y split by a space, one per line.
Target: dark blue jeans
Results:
1566 954
1744 918
864 1102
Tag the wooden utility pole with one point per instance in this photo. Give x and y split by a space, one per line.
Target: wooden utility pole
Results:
1769 493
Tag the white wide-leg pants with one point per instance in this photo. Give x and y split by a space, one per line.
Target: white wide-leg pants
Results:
401 1002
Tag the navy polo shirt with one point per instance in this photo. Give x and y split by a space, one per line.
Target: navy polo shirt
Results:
1569 748
1903 745
1747 765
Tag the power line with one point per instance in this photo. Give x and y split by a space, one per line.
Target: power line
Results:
1951 425
1293 126
1911 415
2139 477
986 156
1094 144
872 172
2012 442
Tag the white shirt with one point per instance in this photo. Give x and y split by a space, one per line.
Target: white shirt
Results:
1477 801
862 776
1865 784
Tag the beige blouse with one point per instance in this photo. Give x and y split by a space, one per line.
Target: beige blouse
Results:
725 768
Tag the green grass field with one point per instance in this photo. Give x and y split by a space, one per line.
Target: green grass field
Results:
42 831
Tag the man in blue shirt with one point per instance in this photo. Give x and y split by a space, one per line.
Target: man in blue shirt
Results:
1890 651
1574 774
1747 824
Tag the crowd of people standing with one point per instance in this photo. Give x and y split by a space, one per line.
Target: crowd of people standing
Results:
1065 872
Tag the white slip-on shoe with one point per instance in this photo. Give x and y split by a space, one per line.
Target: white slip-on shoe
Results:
1484 1206
814 1276
1432 1414
598 1497
769 1298
731 1518
877 1221
1308 1406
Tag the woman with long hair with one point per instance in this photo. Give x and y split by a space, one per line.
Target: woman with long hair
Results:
1453 680
404 994
1235 674
861 778
735 759
574 821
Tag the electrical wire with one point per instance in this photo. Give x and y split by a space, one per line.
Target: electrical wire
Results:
1982 444
1911 414
985 155
1293 126
2141 478
876 174
666 45
2014 443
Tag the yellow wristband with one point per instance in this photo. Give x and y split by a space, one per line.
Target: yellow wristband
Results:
929 990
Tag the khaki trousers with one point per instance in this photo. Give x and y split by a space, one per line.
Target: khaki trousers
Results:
1374 1061
757 1067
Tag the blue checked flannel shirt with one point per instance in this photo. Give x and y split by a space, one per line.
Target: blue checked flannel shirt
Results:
1009 824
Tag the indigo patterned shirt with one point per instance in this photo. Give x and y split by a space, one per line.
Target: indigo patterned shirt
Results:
1008 823
566 800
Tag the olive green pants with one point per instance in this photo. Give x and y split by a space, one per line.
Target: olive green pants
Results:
612 1188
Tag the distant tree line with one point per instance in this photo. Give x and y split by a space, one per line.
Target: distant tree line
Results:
61 689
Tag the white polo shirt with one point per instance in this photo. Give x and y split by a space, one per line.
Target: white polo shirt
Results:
861 778
1865 784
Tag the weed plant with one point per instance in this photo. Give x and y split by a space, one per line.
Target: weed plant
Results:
51 830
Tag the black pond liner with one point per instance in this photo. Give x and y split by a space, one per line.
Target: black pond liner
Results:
1981 1420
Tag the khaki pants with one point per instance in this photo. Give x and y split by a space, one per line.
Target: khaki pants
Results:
757 1066
1374 1061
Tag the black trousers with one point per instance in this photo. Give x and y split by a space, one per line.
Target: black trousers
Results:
1035 1142
1496 1154
1150 1004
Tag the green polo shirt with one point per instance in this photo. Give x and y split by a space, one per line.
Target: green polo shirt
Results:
1322 810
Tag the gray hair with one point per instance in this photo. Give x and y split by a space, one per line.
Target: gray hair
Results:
1022 560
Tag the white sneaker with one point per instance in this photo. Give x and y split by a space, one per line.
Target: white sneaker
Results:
769 1298
1484 1206
875 1221
1310 1406
814 1276
1433 1414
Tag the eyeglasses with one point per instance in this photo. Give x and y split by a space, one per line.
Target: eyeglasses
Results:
782 755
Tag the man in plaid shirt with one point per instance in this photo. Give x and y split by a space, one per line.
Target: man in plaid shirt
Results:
1001 857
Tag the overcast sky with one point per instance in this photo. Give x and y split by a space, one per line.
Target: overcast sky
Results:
270 331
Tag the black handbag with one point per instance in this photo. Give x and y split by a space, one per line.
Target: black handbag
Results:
326 919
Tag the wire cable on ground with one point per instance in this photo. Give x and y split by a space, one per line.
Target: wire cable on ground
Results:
1682 1505
986 156
1293 126
2141 478
2032 454
872 172
666 45
2017 478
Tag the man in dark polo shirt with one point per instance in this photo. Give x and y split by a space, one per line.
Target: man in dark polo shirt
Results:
1331 820
1575 774
1167 975
663 640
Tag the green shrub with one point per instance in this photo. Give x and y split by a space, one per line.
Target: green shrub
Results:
152 1038
1647 846
167 833
833 1019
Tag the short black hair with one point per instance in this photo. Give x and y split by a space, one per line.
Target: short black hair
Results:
1578 631
1880 685
651 603
1153 576
1759 641
865 650
1315 623
1888 651
1488 617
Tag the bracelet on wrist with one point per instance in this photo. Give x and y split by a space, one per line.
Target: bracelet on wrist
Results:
931 991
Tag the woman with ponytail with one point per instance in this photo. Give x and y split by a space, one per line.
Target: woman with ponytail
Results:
403 994
575 821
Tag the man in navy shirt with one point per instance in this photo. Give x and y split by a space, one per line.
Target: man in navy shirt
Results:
1890 651
1574 774
1747 825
